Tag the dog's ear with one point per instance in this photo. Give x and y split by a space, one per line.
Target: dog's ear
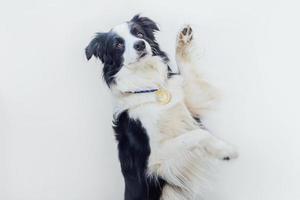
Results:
96 47
147 24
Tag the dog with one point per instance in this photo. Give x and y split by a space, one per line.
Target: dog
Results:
163 146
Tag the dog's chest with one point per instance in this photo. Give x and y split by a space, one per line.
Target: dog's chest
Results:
164 121
149 116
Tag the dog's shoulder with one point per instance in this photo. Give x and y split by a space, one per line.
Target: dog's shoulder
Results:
134 151
131 131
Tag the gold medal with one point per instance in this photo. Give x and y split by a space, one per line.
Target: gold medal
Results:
163 96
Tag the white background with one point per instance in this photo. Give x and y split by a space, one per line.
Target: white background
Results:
56 140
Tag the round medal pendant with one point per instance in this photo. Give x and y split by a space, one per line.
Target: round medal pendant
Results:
163 96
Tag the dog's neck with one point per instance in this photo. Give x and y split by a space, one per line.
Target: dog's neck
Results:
136 84
148 74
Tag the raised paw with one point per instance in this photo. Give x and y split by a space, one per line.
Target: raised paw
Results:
222 150
185 36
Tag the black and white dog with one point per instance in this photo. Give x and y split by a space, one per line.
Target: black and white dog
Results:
163 150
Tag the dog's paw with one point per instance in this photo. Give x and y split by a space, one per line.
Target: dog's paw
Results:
222 150
185 36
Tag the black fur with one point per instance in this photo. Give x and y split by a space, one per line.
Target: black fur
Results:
148 27
133 142
134 151
103 46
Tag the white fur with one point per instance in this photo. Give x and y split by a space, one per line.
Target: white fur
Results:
180 150
130 54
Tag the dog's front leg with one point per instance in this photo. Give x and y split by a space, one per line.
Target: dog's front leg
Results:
176 154
199 95
198 139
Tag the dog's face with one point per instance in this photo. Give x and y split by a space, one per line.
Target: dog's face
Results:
125 44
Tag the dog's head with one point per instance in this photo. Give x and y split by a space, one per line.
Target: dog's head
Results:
126 44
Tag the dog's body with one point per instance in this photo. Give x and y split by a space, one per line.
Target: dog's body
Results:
163 149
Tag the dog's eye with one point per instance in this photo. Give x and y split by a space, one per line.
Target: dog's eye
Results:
139 34
119 45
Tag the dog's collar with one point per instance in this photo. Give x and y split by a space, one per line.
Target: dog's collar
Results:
141 91
170 74
162 95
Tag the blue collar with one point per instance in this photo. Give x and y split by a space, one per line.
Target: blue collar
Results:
142 91
170 74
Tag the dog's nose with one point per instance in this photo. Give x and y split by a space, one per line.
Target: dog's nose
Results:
139 45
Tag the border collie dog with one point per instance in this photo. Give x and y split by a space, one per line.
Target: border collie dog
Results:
163 148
